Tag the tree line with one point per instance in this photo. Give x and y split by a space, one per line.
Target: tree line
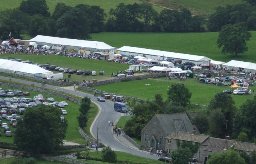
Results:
33 17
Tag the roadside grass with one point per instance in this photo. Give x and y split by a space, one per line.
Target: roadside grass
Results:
106 5
74 63
201 93
91 116
122 158
203 43
122 121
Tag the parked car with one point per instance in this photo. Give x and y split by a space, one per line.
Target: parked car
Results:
64 112
101 99
242 91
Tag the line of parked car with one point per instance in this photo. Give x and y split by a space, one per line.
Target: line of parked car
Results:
13 103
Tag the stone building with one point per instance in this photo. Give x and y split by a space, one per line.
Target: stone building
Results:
154 133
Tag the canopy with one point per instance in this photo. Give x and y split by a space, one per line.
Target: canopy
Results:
159 69
166 63
196 67
71 42
234 86
241 64
163 54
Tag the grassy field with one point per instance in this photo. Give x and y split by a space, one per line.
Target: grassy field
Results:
74 63
122 121
106 5
203 44
123 158
25 161
201 93
198 6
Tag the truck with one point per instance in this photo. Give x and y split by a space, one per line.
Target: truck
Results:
120 107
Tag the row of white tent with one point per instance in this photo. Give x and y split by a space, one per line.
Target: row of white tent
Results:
26 69
145 54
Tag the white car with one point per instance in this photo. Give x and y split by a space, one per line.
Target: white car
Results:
64 112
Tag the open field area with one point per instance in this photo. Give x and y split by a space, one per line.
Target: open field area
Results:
106 5
201 93
203 7
122 158
74 63
203 44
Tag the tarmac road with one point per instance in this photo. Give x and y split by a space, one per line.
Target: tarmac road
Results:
100 124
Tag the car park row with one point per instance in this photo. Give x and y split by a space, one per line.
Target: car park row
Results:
13 103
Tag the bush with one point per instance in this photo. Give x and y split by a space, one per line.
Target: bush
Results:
108 155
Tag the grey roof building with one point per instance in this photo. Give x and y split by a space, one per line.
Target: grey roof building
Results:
154 133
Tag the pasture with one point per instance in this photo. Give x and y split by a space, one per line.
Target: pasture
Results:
106 5
74 63
146 89
203 43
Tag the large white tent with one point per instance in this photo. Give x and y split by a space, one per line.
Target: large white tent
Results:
162 55
26 69
235 64
96 45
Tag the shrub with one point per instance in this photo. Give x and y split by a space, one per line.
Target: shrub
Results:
108 155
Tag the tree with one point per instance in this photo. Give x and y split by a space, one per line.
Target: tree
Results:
13 21
41 130
179 95
33 7
85 105
246 120
82 120
232 39
224 102
217 124
73 24
181 156
201 122
108 155
40 25
60 9
226 157
252 2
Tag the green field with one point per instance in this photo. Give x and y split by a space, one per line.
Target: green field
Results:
203 44
199 6
74 63
104 4
25 161
122 158
146 89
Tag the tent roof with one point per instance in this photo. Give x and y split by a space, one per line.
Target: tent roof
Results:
71 42
241 64
22 67
158 68
217 62
163 53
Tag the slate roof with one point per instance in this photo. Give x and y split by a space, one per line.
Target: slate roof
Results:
173 122
183 136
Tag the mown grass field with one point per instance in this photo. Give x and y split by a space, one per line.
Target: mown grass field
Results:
203 7
122 158
203 44
104 4
146 89
74 63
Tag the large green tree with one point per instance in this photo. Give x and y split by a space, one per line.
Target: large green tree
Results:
224 102
33 7
41 130
179 95
181 156
232 39
227 157
217 124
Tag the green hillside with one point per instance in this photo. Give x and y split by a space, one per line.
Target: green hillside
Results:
203 7
192 43
105 4
196 6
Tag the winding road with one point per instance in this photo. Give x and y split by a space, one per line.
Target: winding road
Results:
100 124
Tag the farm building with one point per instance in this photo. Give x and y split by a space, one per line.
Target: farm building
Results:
163 55
240 65
26 69
92 46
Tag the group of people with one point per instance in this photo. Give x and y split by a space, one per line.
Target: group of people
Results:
116 130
